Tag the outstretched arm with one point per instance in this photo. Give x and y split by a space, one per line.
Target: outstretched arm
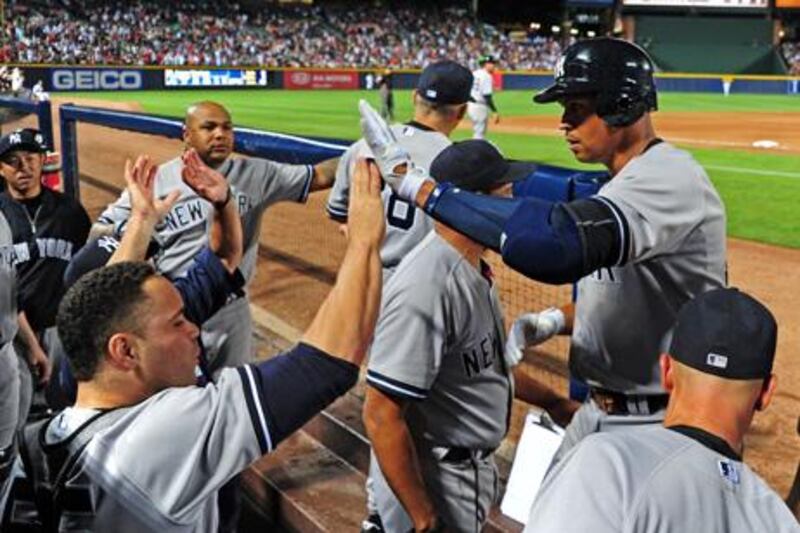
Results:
546 241
226 231
146 210
294 387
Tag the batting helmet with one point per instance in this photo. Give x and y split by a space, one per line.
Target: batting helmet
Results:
619 74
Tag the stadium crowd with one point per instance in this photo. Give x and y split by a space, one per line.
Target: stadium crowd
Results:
206 33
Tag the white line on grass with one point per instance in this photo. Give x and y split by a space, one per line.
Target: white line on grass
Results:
754 171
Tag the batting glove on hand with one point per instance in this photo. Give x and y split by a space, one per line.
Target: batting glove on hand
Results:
393 160
531 329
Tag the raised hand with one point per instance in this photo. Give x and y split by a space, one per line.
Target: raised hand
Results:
204 180
393 160
140 181
365 219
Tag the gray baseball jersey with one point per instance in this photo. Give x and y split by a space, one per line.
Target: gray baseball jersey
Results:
655 480
255 184
439 338
159 467
8 284
673 227
406 225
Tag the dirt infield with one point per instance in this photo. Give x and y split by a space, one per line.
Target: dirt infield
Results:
301 250
706 130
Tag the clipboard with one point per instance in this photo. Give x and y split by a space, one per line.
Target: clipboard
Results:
537 445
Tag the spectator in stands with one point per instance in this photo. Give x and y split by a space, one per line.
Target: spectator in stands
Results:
146 32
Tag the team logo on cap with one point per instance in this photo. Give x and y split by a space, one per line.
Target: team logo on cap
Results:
728 471
717 360
15 138
431 93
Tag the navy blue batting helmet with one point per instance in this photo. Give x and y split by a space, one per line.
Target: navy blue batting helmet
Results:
617 73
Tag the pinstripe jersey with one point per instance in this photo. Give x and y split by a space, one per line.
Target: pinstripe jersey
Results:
672 225
439 342
255 184
405 224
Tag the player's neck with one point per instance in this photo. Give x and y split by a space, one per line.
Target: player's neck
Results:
725 423
471 250
435 122
103 394
634 141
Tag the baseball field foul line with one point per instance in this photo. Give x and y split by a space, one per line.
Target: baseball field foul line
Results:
755 171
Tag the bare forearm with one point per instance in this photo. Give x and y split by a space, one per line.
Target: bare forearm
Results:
227 236
399 464
345 322
135 240
531 391
26 332
324 174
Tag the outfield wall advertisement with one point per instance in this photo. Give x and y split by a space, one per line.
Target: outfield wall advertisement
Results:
320 79
70 79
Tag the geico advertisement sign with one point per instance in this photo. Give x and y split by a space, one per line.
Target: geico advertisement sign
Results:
90 80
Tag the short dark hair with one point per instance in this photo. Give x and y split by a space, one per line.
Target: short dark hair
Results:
101 303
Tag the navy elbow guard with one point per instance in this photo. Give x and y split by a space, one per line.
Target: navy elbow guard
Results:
561 243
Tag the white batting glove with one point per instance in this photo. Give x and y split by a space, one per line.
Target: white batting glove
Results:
531 329
393 160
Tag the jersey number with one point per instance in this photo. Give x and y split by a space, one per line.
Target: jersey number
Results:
399 213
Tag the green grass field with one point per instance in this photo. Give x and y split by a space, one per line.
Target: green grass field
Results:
761 190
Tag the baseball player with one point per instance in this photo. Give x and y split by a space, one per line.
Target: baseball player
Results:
439 393
652 238
255 185
9 365
134 353
439 105
686 475
384 83
47 228
482 104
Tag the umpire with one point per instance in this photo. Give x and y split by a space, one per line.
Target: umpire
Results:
686 475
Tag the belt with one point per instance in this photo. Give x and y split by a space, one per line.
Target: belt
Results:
618 403
457 454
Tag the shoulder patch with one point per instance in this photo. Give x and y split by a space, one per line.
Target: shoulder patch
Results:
729 471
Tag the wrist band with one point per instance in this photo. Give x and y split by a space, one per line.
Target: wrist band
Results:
411 184
221 205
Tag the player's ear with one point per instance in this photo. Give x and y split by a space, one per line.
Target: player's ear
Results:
462 112
121 351
767 391
185 133
666 367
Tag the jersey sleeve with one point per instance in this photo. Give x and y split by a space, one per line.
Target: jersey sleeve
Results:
117 213
167 456
656 213
283 182
206 286
410 339
584 479
339 197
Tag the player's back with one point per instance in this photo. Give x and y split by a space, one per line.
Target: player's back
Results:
405 224
657 480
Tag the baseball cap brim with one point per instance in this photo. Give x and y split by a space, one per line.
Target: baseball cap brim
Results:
554 93
23 147
518 171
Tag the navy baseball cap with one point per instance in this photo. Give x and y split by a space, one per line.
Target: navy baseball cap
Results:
477 165
727 333
26 139
445 82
